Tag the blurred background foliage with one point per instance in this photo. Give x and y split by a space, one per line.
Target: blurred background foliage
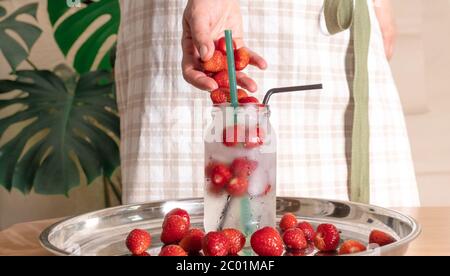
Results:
68 118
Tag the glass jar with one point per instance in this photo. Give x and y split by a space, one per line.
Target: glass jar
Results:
240 169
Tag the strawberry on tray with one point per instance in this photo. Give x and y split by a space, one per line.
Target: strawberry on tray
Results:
292 239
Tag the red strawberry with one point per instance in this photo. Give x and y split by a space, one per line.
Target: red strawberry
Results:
172 251
237 186
241 58
308 230
143 254
267 242
222 46
254 138
192 241
327 238
236 240
249 100
174 229
240 95
233 135
219 96
216 64
222 79
351 247
380 238
288 221
220 176
215 244
179 212
294 239
243 166
138 241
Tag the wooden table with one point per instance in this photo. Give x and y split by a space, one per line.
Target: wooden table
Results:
435 238
22 239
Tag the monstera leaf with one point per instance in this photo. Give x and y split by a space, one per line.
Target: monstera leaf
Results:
11 49
78 121
69 29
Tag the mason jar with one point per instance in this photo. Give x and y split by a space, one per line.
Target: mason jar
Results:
240 169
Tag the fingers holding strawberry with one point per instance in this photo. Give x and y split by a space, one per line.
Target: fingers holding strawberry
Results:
216 67
244 81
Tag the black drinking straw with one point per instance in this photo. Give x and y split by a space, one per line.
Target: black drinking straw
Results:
290 89
224 213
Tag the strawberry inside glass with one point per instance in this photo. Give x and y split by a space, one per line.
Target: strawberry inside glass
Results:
240 169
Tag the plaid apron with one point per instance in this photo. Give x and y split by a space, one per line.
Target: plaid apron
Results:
163 117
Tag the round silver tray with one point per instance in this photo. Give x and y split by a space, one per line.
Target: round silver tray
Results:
103 233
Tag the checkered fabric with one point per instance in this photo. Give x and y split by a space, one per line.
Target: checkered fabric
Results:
163 118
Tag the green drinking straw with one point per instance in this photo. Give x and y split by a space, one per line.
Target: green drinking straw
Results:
231 69
245 203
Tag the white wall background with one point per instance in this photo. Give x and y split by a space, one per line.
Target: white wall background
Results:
422 70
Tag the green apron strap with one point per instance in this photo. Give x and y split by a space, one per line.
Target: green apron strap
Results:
341 15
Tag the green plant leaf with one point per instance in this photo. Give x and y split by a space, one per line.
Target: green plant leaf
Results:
69 29
13 51
79 124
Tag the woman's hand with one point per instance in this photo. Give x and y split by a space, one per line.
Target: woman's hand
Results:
205 21
385 15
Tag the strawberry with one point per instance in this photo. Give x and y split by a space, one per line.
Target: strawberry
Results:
308 230
288 221
220 176
237 186
327 238
243 166
294 239
241 58
138 241
216 64
233 135
254 138
192 240
215 244
179 212
222 79
249 100
172 251
143 254
380 238
351 247
222 45
174 229
267 242
219 96
236 240
240 95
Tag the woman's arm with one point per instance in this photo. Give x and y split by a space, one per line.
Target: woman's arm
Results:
203 22
385 15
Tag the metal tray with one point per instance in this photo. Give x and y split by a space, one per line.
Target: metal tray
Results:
103 233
